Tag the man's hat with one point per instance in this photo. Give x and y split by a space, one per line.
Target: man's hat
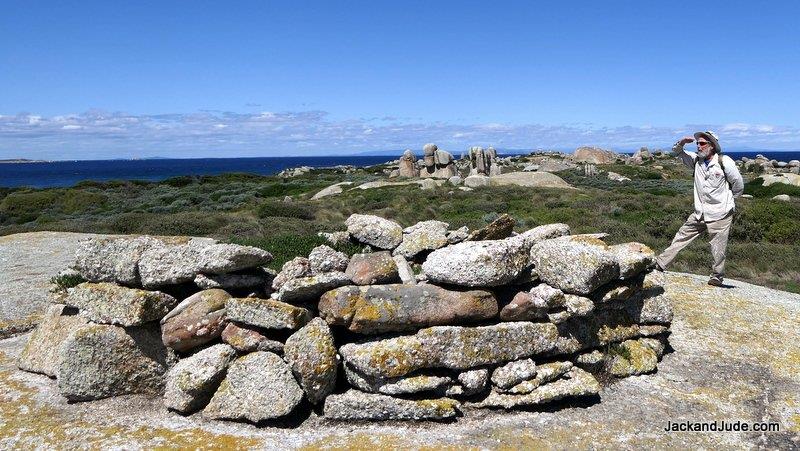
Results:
711 137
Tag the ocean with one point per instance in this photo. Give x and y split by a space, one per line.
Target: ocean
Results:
68 173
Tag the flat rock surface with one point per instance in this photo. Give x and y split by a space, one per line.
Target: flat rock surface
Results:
27 262
735 358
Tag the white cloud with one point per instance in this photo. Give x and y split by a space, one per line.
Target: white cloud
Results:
104 134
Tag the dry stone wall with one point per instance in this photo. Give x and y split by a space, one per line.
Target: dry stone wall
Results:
492 319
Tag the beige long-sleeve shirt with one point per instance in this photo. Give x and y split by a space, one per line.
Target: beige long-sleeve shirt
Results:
713 197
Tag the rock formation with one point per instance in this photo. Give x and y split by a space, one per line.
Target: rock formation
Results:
408 165
594 155
483 162
436 163
496 320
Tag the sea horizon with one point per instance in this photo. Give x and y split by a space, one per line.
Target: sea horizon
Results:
66 173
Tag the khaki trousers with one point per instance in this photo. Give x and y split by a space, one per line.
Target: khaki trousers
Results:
718 232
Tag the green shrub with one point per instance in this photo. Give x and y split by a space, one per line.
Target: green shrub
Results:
79 201
784 231
65 281
26 206
285 209
180 181
756 188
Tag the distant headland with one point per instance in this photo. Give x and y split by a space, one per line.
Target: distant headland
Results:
22 160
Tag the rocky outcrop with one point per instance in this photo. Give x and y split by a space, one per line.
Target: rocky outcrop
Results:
594 155
408 165
437 163
43 351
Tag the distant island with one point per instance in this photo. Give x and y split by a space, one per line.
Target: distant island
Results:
22 160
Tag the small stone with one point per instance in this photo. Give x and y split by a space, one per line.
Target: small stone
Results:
267 313
107 303
422 237
356 405
632 258
193 380
373 268
233 281
309 289
404 270
257 387
591 361
245 339
512 373
500 228
197 320
293 269
324 259
545 373
311 354
458 235
473 381
575 383
631 357
402 385
375 231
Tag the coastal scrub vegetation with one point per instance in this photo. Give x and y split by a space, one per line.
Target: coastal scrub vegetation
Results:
255 210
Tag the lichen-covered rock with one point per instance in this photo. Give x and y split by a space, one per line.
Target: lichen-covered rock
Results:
375 231
591 361
618 290
324 259
108 303
404 270
458 235
477 263
632 258
43 350
266 313
244 339
500 228
161 264
526 306
575 383
356 405
309 289
372 268
111 259
255 280
193 380
646 307
197 320
421 237
390 308
512 373
258 386
600 328
545 373
631 357
293 269
98 361
451 347
543 232
311 353
402 385
574 266
470 383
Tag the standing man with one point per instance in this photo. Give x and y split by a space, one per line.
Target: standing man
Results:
717 182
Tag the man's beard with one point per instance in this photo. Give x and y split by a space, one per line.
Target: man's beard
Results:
703 154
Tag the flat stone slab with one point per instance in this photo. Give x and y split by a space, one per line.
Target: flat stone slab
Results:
266 313
108 303
27 263
356 405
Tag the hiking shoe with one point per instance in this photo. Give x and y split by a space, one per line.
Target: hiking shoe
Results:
715 281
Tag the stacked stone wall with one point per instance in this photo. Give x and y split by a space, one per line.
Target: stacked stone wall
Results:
428 323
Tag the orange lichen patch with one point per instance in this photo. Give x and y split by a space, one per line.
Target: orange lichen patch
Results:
374 442
25 423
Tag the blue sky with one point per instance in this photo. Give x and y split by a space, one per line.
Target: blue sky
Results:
83 80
